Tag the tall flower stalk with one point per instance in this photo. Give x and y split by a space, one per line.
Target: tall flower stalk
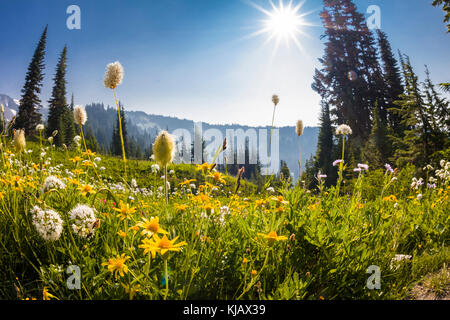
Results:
343 130
275 101
299 131
164 151
80 117
113 78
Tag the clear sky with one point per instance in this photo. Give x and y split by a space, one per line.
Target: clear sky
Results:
194 59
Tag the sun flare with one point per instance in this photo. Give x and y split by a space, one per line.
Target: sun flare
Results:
284 23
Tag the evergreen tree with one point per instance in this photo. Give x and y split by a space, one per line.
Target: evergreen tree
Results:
392 80
285 173
91 142
29 116
309 174
58 109
437 106
377 149
437 109
69 123
324 154
350 80
446 8
116 145
414 146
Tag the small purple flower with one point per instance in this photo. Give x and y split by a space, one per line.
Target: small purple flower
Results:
363 166
357 170
389 168
336 162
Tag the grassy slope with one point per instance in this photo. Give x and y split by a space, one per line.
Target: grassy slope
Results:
328 241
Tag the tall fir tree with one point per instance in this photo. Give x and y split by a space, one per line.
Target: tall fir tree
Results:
69 123
377 148
116 145
58 109
414 146
437 108
350 80
28 115
393 81
446 8
324 155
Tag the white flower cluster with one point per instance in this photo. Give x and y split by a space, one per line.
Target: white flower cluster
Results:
155 168
270 190
83 218
53 182
223 213
48 223
397 260
432 183
77 140
343 129
444 172
416 183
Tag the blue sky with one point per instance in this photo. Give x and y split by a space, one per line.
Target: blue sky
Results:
193 58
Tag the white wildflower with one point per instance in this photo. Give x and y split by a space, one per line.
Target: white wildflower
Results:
80 115
343 129
52 182
270 190
83 220
155 168
396 261
48 223
114 75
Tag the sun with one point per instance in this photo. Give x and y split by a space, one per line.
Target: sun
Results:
284 23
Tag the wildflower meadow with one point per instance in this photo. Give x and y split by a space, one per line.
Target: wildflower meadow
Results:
97 208
69 230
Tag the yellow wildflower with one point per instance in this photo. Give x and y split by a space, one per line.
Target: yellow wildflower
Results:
391 198
180 207
125 211
122 233
272 237
86 190
149 247
204 167
75 159
187 182
117 265
89 153
217 176
151 226
165 245
47 295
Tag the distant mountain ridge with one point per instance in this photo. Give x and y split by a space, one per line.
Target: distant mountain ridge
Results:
143 128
